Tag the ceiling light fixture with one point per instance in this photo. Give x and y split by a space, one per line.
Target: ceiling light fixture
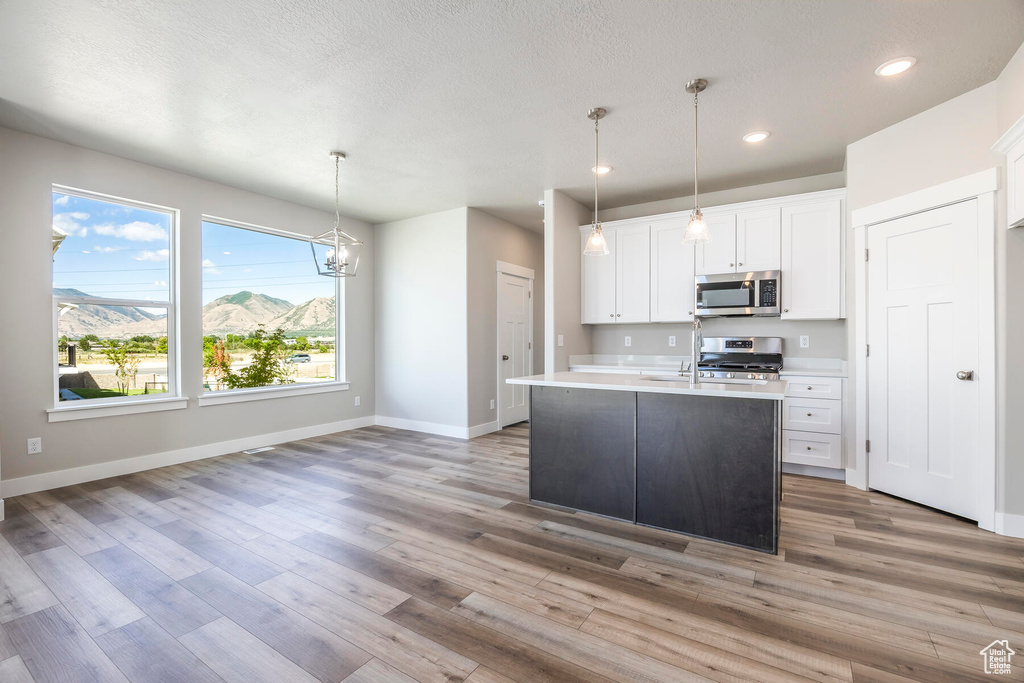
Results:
597 245
895 66
697 230
339 251
756 136
601 169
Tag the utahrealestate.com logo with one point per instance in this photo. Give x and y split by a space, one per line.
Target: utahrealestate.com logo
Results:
997 657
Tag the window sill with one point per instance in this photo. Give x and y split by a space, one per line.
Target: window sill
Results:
65 413
216 398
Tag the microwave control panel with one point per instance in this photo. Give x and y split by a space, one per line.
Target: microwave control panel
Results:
769 293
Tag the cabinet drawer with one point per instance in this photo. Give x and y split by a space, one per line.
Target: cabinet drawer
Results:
813 415
809 448
814 387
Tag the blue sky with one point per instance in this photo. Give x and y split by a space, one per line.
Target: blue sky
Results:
120 251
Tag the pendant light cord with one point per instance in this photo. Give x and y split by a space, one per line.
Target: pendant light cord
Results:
597 167
696 156
337 195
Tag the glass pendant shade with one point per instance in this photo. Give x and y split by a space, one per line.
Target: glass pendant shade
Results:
597 245
697 229
336 254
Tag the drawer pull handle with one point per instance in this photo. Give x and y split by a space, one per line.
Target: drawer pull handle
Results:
810 389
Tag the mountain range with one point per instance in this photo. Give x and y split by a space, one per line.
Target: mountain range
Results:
238 313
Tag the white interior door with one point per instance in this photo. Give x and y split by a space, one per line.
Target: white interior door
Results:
515 346
922 331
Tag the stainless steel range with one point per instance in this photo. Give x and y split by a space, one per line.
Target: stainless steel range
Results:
756 358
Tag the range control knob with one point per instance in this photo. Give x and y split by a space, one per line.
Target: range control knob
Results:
760 376
729 376
751 375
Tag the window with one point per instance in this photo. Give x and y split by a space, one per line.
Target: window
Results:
113 294
268 319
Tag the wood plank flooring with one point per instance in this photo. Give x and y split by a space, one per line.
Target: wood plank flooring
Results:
385 555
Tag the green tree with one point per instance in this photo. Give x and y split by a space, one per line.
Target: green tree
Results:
161 345
268 364
143 339
125 362
84 344
302 344
62 343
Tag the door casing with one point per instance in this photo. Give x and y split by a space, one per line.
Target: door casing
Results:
983 187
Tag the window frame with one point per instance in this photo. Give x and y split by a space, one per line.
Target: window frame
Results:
340 381
119 405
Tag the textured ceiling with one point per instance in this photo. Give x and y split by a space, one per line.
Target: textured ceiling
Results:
447 103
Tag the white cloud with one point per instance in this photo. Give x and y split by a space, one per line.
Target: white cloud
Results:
136 231
62 200
107 250
160 283
227 253
207 263
70 223
212 271
86 252
158 255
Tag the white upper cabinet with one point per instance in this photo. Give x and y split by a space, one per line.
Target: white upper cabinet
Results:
758 240
617 286
633 274
672 284
599 282
1012 145
718 255
812 261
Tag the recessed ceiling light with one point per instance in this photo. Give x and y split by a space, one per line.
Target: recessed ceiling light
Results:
602 169
895 66
756 136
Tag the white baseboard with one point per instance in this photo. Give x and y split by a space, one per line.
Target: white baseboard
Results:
426 427
813 471
481 429
114 468
1009 525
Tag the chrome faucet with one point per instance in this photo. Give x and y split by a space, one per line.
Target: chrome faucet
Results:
696 343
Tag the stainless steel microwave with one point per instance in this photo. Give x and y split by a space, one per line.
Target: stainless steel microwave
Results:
754 293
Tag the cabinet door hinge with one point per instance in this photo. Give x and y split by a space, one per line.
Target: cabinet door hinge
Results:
529 345
865 254
867 349
867 446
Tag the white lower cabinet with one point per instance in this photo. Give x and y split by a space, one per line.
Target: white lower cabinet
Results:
812 421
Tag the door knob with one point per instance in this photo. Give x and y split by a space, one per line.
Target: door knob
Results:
739 264
808 448
731 265
965 375
504 357
618 315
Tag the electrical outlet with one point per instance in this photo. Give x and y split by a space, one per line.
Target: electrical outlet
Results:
492 404
671 340
629 341
35 446
805 341
357 400
561 340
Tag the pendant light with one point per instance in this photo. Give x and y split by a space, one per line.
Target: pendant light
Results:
335 252
597 245
697 230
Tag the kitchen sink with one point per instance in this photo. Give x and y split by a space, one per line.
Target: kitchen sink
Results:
720 380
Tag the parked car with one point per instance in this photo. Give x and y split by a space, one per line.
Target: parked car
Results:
299 358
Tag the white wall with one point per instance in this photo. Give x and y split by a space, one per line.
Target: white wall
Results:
562 262
421 319
949 141
29 165
491 240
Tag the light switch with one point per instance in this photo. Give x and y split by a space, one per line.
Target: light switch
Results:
492 404
357 400
805 341
629 341
671 340
561 340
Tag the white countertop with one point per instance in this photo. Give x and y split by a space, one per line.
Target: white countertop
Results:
625 364
612 382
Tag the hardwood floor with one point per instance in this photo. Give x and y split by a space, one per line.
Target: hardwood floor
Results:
385 555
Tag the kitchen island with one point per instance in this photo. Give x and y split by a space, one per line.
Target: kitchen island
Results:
703 460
